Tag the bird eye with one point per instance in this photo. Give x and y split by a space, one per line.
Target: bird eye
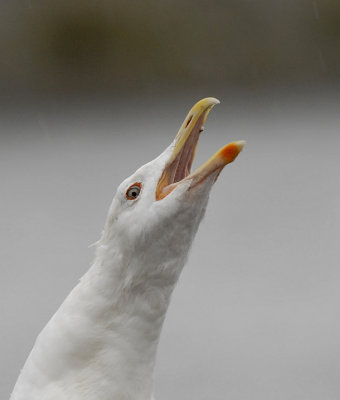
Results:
133 192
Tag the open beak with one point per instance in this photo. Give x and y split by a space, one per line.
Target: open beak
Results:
179 165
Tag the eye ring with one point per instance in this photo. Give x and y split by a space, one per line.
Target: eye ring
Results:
133 191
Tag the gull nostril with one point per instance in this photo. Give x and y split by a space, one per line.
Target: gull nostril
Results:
188 122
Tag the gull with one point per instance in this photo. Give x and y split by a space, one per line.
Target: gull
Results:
101 343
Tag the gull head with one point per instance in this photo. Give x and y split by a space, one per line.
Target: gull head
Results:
156 211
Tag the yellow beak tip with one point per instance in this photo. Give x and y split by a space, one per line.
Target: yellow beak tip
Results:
205 104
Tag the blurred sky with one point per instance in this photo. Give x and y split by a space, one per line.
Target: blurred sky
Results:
92 90
84 48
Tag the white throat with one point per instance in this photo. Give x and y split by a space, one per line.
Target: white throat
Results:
102 342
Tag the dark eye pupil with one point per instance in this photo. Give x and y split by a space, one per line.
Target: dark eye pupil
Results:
133 191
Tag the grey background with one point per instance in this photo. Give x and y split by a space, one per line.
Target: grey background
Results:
88 94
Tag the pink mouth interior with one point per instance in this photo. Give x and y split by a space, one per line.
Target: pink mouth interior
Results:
181 166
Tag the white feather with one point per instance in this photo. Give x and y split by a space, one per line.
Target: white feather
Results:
101 343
